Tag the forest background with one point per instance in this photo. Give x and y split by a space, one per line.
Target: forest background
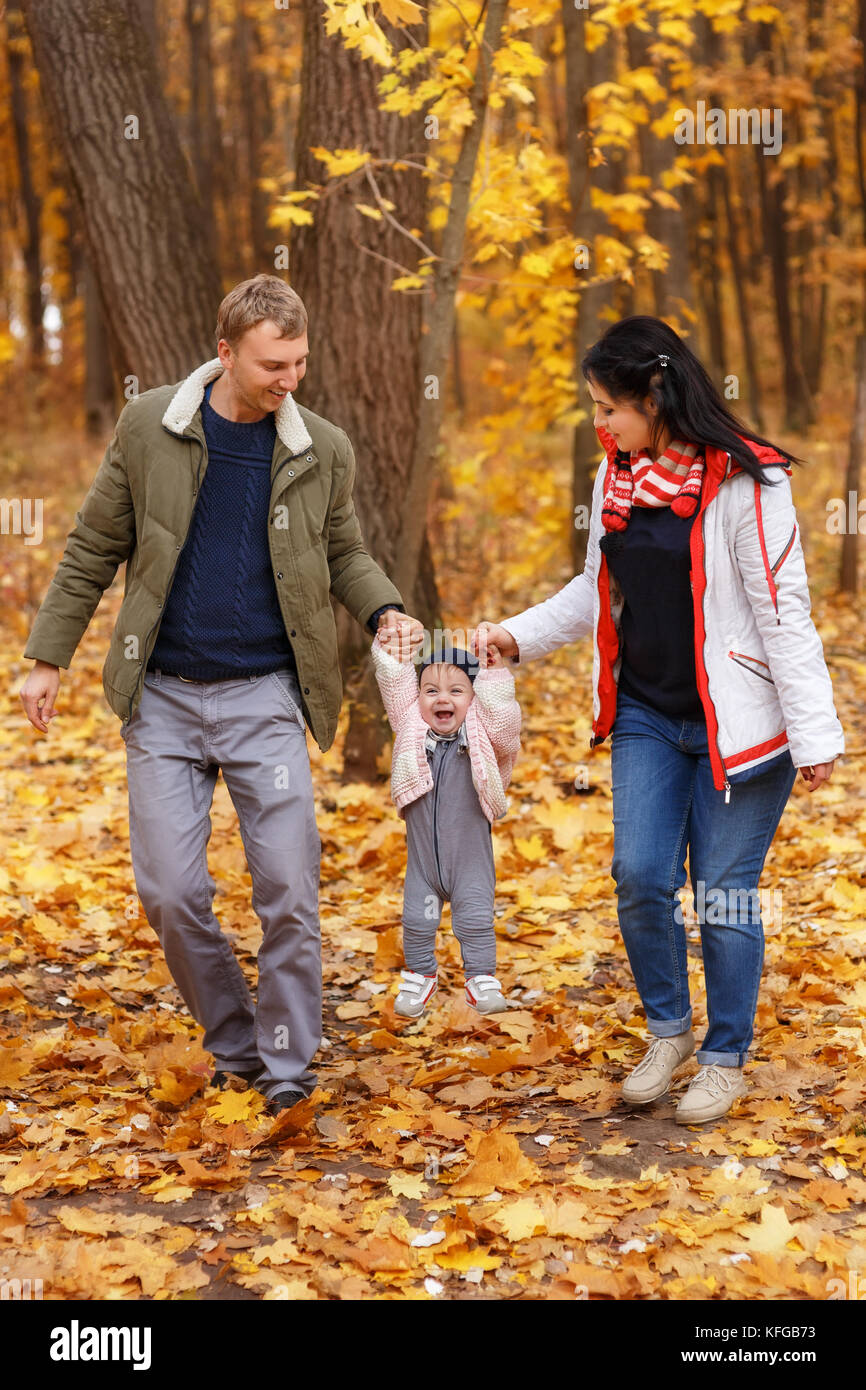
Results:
464 195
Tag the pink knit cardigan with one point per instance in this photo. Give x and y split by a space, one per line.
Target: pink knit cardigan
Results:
492 732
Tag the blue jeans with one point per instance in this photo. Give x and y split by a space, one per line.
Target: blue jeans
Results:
664 802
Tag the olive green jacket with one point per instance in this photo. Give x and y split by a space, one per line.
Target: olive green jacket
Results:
139 509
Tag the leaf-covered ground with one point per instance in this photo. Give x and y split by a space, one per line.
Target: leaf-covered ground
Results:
451 1157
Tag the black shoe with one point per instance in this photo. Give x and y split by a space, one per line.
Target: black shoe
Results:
220 1079
284 1100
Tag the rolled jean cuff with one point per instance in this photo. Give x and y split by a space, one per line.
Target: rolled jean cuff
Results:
669 1027
720 1059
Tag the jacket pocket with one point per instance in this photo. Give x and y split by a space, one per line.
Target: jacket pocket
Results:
786 551
753 664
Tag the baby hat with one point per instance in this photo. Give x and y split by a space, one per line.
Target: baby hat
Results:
452 656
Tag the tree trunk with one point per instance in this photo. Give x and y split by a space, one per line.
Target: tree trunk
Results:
147 11
364 337
856 441
738 270
708 197
671 289
825 190
139 208
248 83
202 116
16 44
848 577
457 371
772 185
100 386
582 71
436 342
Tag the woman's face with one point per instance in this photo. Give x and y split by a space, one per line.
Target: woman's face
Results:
630 429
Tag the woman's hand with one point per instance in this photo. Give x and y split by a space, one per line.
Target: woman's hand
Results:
492 635
816 774
494 656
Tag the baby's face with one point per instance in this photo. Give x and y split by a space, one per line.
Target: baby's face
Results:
445 696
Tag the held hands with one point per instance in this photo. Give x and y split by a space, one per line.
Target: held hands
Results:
494 656
400 635
38 694
816 774
491 643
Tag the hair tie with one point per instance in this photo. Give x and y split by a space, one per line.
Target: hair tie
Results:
663 359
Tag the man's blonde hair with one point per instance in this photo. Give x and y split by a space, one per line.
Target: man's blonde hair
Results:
253 301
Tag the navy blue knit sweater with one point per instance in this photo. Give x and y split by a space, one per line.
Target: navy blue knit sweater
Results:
222 617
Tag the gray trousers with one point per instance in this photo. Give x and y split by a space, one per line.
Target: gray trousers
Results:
449 858
178 739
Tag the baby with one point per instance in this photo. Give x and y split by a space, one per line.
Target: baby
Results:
457 733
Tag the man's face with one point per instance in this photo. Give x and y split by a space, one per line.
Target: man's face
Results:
444 697
263 367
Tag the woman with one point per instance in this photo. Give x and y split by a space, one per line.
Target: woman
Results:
710 677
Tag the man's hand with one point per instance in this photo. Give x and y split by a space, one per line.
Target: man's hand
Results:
38 694
399 634
393 643
816 774
492 634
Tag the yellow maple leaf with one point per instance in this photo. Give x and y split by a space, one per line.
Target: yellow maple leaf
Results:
536 264
773 1233
499 1165
408 282
341 161
407 1185
532 849
401 11
467 1259
520 1219
175 1090
233 1106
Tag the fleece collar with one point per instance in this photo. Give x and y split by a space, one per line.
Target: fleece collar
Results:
190 394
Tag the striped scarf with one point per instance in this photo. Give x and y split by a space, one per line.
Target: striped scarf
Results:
672 480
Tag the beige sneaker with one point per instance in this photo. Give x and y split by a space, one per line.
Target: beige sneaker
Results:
415 993
652 1075
484 993
711 1094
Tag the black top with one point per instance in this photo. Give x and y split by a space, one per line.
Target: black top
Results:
651 563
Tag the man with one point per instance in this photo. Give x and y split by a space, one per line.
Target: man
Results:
233 508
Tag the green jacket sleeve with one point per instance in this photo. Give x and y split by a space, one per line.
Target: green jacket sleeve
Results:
102 538
356 580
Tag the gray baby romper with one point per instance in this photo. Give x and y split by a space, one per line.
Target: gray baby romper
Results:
450 858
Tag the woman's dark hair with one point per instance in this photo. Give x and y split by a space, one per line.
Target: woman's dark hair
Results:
625 363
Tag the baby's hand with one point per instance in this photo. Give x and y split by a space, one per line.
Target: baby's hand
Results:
494 656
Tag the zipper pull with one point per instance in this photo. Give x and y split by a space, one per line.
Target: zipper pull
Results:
727 791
